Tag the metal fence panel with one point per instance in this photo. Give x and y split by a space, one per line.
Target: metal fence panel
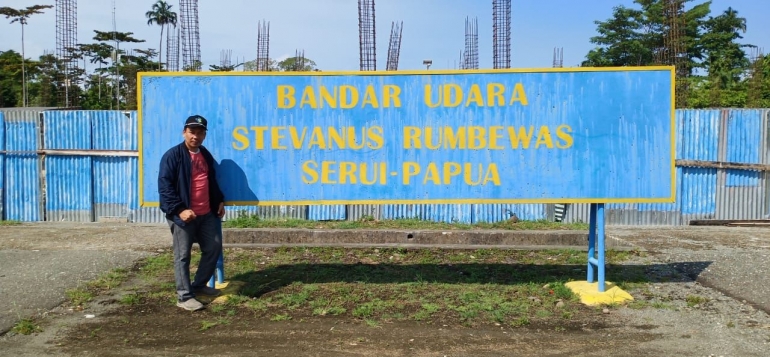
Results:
744 136
357 212
2 165
68 187
267 212
698 134
327 212
113 187
491 213
114 130
66 130
23 194
698 191
577 213
449 213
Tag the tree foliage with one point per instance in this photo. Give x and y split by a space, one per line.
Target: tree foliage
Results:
289 64
717 69
161 15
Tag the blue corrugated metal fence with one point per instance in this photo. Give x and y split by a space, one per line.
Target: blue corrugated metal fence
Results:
2 164
22 198
82 166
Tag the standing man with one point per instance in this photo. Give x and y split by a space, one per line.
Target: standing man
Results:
194 205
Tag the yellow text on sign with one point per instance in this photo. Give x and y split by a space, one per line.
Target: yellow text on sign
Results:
376 173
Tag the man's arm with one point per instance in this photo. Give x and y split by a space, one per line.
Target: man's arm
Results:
170 201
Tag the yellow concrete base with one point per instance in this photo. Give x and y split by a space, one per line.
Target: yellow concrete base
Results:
590 295
228 288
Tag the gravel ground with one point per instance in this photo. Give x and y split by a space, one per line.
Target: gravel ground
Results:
710 297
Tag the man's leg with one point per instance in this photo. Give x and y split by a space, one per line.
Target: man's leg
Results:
182 242
210 242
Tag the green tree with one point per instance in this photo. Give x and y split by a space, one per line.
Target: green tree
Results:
251 66
140 60
21 16
162 15
10 78
118 38
725 60
634 37
292 64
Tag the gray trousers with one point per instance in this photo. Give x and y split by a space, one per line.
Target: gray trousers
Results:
205 230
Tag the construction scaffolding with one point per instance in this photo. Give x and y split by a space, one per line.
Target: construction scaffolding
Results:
501 33
191 48
757 77
66 44
470 57
558 57
172 50
299 61
263 47
366 35
394 45
225 59
674 52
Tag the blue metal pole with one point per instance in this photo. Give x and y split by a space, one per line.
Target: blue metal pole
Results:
591 242
600 234
219 273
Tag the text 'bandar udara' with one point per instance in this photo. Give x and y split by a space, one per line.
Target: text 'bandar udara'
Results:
389 96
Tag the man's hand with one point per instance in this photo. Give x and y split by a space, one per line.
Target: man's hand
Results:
187 215
221 211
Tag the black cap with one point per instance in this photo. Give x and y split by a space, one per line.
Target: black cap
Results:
196 120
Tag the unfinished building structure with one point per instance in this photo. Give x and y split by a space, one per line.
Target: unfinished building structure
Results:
66 43
673 52
226 59
756 79
558 57
299 61
263 47
501 33
394 45
191 48
367 36
172 50
470 56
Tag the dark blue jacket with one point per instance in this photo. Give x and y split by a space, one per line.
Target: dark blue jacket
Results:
174 180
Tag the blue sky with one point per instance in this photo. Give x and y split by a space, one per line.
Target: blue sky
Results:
327 30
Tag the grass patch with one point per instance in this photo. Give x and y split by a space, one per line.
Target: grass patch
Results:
109 280
86 292
9 223
244 220
693 300
375 286
154 266
131 299
26 326
79 297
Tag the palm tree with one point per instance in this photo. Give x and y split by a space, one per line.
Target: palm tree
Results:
21 16
162 15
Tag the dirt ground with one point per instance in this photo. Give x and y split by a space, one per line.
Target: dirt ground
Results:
660 322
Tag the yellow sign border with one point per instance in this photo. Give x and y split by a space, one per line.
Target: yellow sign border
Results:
671 70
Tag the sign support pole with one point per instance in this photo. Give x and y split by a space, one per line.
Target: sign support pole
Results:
596 243
219 272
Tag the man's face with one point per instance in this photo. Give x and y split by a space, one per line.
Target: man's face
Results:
194 136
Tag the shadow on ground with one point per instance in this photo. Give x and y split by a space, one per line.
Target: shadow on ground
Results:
260 282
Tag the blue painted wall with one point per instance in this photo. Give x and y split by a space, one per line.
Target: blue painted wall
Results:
592 136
